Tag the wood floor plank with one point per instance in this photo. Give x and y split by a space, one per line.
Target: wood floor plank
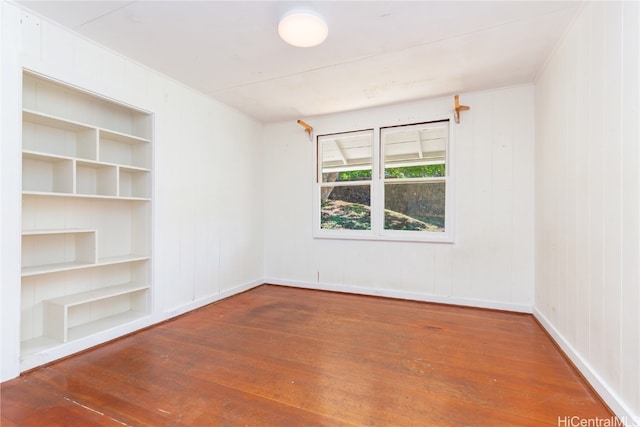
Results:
280 356
414 370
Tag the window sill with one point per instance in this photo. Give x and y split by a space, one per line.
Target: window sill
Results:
397 236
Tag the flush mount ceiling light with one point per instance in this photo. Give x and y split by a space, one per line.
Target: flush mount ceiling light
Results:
303 28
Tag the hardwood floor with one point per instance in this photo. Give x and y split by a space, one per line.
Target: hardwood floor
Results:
279 356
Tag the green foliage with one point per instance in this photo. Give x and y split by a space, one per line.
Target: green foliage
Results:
424 171
415 171
360 175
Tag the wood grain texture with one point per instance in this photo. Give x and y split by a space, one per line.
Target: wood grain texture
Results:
278 356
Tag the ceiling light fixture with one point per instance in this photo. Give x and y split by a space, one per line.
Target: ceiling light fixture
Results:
303 28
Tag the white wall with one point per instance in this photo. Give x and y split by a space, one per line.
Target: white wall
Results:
9 199
491 262
207 223
588 200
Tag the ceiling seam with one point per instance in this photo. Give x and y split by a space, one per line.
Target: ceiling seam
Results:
104 14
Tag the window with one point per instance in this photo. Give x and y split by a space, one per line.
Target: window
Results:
345 184
387 183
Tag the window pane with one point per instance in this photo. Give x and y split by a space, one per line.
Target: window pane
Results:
414 206
346 156
345 207
416 150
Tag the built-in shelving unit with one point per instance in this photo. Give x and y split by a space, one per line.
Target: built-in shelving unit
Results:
86 216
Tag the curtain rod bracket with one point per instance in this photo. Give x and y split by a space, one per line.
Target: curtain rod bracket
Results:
459 108
307 128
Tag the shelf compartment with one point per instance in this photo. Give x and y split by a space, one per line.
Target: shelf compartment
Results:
87 284
47 174
103 324
52 97
124 149
56 136
96 179
134 183
46 251
36 345
78 315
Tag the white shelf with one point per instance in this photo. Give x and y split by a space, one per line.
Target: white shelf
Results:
97 326
83 196
54 268
38 118
57 311
56 231
122 137
121 259
36 345
86 212
96 294
41 155
69 266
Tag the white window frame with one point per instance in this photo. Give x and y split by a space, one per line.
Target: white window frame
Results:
377 231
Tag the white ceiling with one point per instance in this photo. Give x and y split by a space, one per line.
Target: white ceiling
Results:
377 53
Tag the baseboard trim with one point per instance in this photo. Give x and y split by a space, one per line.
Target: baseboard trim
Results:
399 294
209 299
619 408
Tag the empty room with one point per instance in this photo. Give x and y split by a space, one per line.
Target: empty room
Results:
326 213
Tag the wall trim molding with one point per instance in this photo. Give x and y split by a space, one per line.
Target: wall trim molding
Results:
201 302
619 408
400 294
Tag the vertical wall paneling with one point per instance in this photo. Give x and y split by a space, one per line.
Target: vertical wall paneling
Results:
587 191
490 263
206 251
522 232
571 149
443 272
240 198
580 133
630 275
596 188
612 188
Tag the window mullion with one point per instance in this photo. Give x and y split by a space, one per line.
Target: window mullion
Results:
377 186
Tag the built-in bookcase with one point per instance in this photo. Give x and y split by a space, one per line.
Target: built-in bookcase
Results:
86 215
